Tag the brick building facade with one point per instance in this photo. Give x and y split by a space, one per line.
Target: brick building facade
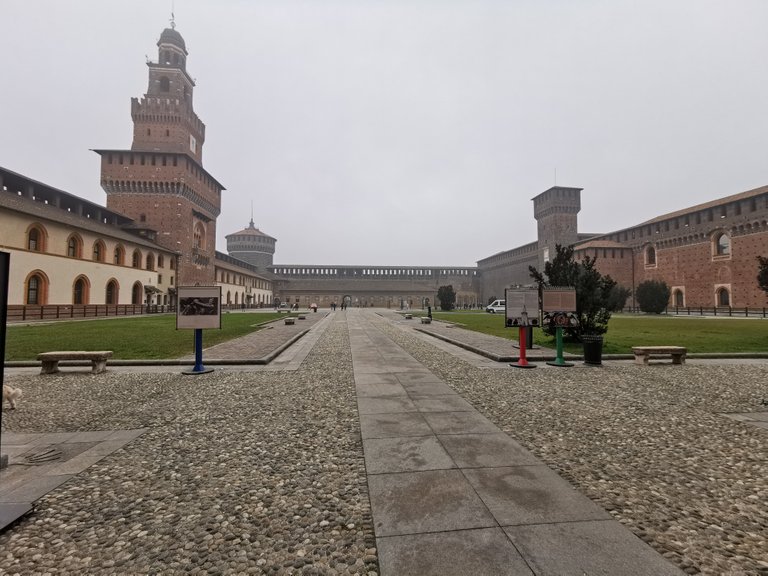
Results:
707 254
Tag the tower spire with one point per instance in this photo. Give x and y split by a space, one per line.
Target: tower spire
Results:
251 224
173 18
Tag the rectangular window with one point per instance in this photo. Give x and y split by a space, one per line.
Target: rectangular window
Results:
159 278
192 144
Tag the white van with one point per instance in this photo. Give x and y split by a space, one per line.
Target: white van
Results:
496 306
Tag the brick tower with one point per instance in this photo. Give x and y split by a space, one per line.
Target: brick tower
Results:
253 246
160 182
556 212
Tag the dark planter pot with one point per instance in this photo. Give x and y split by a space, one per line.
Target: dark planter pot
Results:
593 349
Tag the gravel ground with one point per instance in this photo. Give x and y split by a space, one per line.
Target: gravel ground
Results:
649 444
255 473
262 472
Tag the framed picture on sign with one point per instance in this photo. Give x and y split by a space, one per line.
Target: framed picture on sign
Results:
199 307
522 307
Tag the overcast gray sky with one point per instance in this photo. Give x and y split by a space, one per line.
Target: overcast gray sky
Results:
412 133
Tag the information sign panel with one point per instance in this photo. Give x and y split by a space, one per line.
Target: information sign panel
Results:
522 307
558 306
199 307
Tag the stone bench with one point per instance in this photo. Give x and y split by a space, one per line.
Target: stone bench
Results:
291 320
408 316
426 320
51 360
302 316
643 353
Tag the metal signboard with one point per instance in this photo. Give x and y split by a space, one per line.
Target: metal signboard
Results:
199 307
558 305
522 307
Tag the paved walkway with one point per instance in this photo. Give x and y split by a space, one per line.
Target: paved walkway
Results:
452 494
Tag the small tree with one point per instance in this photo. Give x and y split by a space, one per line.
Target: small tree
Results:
447 297
596 295
762 273
653 296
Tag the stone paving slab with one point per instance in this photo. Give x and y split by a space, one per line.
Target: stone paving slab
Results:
428 501
481 552
538 496
596 547
405 454
25 482
486 450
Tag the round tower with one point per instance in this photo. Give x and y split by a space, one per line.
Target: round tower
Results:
253 246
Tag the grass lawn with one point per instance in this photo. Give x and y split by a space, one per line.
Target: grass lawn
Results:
698 334
134 337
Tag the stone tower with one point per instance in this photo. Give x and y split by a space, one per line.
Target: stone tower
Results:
253 246
160 182
556 213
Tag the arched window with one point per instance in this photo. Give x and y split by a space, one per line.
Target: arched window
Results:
150 262
723 297
160 261
113 292
650 256
678 298
199 236
74 246
722 245
36 289
165 84
137 294
80 291
98 251
36 239
136 262
119 257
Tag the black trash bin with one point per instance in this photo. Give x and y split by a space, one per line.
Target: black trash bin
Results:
593 349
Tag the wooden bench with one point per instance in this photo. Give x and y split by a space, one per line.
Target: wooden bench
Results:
97 358
643 353
426 320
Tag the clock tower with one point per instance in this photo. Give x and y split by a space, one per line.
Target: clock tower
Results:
160 181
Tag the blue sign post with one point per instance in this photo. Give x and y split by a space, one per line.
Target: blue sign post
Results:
199 307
